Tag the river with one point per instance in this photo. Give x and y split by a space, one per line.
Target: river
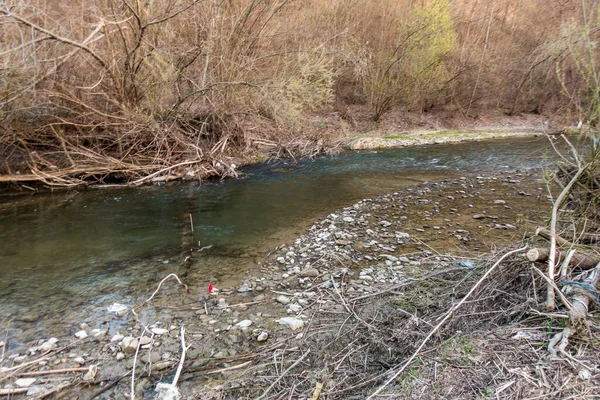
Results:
64 249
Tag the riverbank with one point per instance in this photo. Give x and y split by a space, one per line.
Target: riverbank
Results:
39 168
340 306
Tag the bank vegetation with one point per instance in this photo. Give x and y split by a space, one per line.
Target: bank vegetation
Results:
129 91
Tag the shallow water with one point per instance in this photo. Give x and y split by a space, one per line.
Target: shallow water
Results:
92 245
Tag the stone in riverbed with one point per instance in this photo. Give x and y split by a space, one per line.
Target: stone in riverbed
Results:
81 334
283 299
478 216
145 340
25 382
152 357
129 344
292 323
244 288
117 338
159 331
262 337
48 345
244 324
309 272
29 317
294 308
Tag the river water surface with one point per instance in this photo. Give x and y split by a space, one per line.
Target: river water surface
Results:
72 248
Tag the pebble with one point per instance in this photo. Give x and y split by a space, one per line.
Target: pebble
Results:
283 299
81 335
145 340
159 331
244 288
244 324
29 317
129 344
292 323
294 308
478 216
262 337
79 360
309 272
48 345
120 356
25 382
117 338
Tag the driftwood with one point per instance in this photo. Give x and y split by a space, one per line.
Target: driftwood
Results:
545 233
578 259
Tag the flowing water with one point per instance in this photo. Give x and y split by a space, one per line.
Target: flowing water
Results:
58 250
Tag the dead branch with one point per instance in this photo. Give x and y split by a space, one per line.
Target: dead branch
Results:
448 315
578 259
545 233
550 301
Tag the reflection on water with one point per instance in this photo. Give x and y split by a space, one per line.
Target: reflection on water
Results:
75 242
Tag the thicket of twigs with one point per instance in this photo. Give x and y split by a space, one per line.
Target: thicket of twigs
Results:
133 91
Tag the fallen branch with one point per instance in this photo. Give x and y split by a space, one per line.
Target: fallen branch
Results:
443 321
167 391
581 260
545 233
53 371
9 391
298 361
550 300
160 284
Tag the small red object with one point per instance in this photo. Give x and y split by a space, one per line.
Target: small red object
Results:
210 288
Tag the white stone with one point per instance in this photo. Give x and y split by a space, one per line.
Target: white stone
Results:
144 340
283 299
117 338
262 337
129 344
81 335
98 332
244 324
584 374
159 331
79 360
25 382
292 323
118 309
294 308
48 345
120 356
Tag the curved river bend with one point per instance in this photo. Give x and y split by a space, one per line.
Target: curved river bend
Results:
76 248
